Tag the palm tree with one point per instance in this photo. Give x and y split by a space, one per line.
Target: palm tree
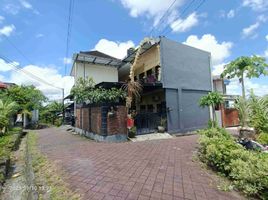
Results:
7 109
133 89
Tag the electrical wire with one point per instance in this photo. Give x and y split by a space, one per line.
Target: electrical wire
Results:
163 16
165 32
69 28
20 69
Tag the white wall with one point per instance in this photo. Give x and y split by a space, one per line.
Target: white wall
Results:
218 86
99 73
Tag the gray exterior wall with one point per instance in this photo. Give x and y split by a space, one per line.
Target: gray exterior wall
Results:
186 76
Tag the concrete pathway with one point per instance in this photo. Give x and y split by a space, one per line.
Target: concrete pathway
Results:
157 169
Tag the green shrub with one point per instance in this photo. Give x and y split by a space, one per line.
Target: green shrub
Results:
58 122
248 170
132 132
263 138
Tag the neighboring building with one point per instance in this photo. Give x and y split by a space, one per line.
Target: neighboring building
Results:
4 85
174 76
101 67
226 114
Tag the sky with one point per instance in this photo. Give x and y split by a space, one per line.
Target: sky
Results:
33 34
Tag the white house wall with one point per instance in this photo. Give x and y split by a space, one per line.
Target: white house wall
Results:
99 73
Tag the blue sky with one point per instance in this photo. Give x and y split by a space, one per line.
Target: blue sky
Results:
226 28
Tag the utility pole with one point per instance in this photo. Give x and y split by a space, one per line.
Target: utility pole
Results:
63 109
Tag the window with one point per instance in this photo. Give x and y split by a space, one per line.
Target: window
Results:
150 108
142 108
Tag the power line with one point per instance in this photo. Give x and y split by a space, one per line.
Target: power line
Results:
163 16
20 69
69 28
17 49
182 15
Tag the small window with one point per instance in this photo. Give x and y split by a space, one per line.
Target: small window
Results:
159 108
142 108
150 108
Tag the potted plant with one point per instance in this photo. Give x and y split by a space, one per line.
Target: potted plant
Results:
132 132
162 127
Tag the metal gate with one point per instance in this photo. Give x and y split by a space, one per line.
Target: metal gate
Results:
147 122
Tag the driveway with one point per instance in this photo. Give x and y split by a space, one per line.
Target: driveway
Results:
159 169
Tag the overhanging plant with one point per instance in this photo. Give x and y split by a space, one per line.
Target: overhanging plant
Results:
85 91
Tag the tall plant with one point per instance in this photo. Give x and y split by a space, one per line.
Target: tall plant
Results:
258 114
246 66
242 105
212 99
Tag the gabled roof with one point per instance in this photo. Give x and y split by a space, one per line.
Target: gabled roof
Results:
96 57
98 54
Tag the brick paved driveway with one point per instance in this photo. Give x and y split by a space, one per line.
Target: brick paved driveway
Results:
160 169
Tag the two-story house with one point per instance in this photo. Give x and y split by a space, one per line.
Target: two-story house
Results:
173 75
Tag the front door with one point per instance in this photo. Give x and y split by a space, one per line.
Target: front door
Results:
147 122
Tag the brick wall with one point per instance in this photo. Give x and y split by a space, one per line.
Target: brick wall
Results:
78 117
96 120
85 119
89 119
117 124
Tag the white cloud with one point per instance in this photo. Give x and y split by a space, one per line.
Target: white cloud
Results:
153 9
219 51
266 53
1 19
250 31
150 8
235 87
7 30
262 18
26 4
14 9
266 37
39 35
231 14
4 67
11 9
67 60
182 25
49 74
218 69
256 5
115 49
2 78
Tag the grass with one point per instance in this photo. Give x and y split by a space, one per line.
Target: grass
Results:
7 145
8 141
48 178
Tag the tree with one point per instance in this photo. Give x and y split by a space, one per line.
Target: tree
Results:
133 89
27 98
51 111
211 99
245 66
7 109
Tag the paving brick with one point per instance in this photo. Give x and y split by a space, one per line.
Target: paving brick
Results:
160 169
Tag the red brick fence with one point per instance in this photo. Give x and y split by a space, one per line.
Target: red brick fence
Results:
102 122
